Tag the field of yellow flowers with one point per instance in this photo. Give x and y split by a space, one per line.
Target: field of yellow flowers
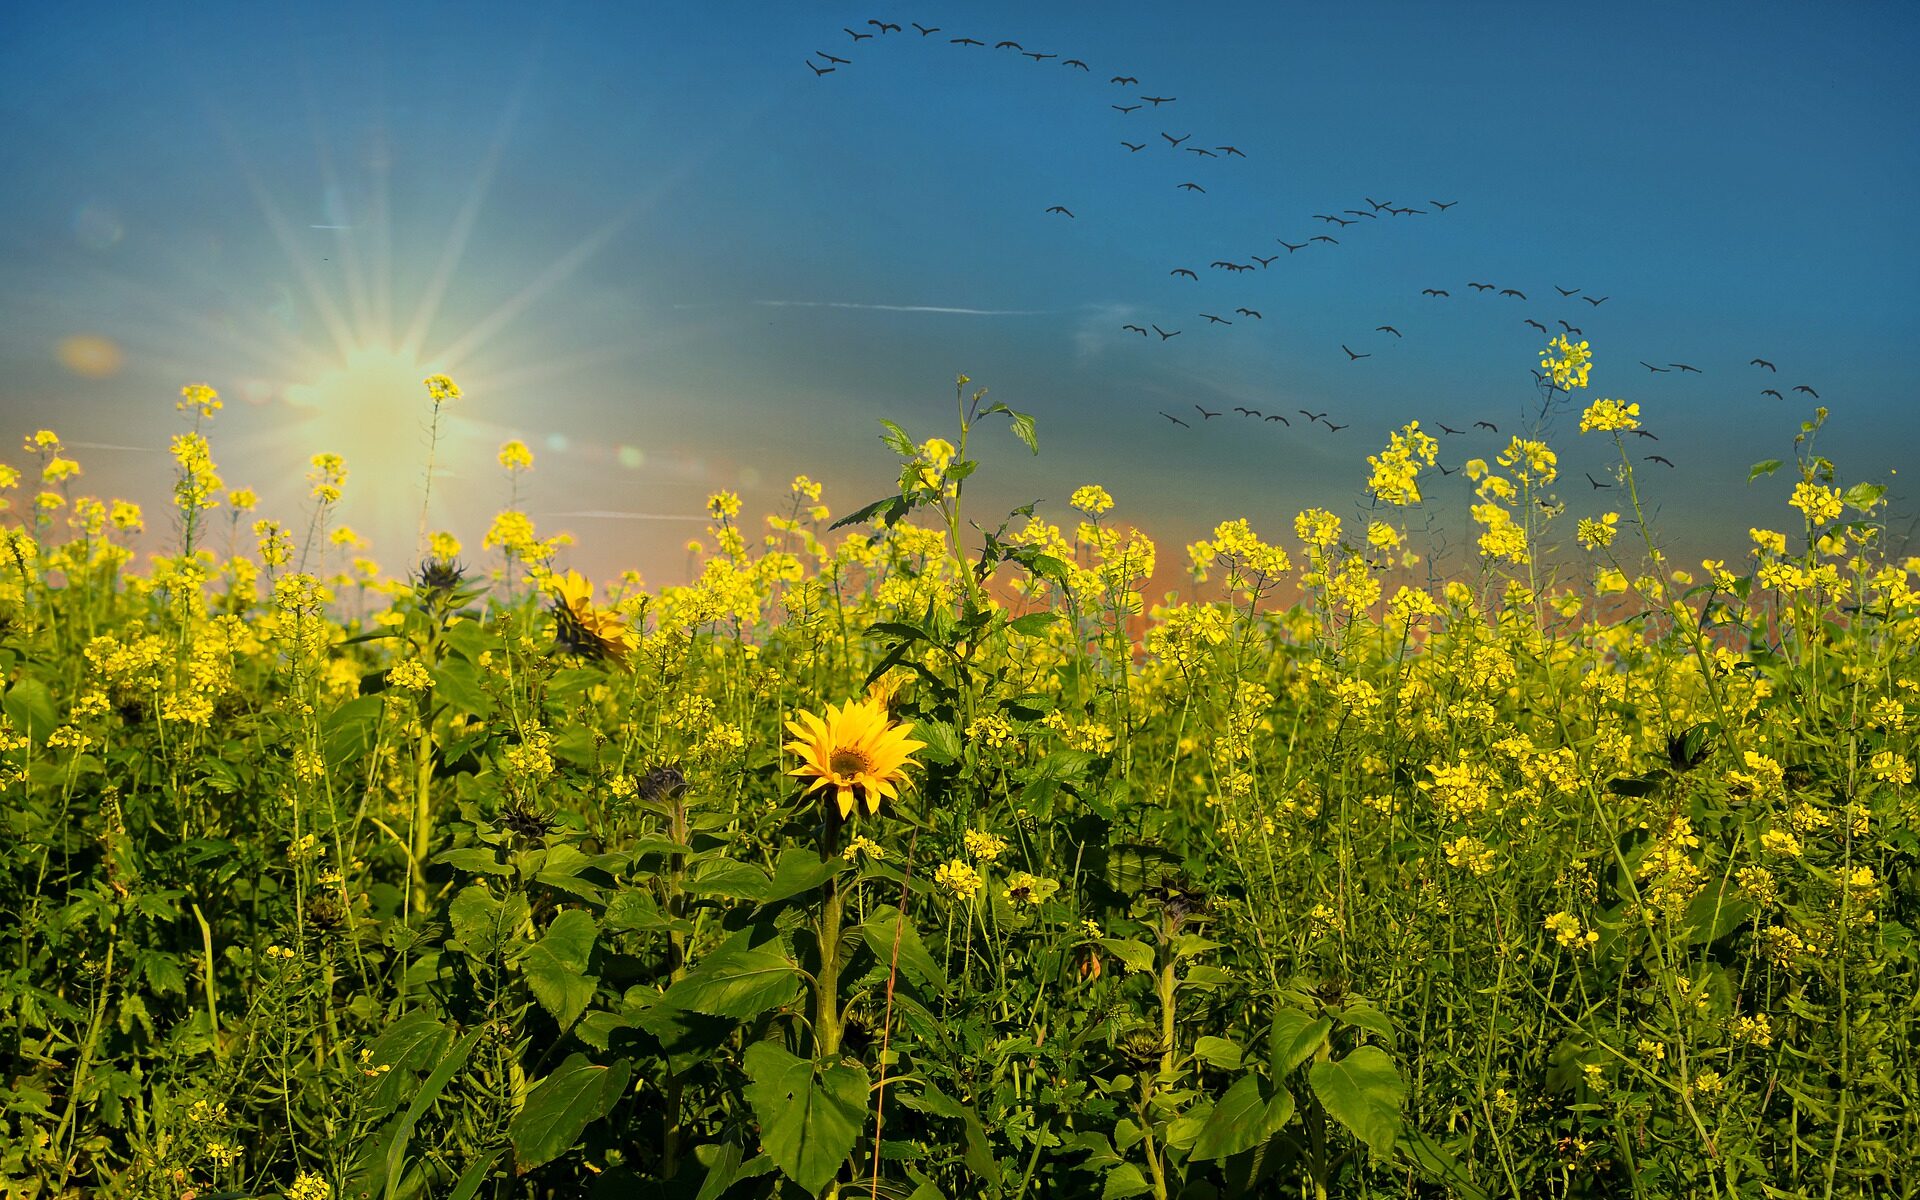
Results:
909 856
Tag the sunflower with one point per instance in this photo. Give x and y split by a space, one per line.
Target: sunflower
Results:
584 629
854 750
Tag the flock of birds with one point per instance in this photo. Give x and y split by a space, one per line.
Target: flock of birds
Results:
1340 219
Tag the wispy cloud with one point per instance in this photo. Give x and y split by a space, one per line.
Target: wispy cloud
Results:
608 514
919 308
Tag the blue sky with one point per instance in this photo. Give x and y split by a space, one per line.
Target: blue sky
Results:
659 248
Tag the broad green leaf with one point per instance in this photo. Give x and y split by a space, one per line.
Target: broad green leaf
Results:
1762 468
477 860
1023 429
482 925
798 871
555 966
737 982
436 1083
1362 1016
1219 1052
561 1106
1864 496
29 705
1296 1036
1242 1119
1033 624
942 743
882 930
809 1118
456 682
1363 1091
1137 955
730 879
1124 1180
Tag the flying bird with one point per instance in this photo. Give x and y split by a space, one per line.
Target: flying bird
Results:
1172 140
1217 263
1809 391
966 41
1684 367
1157 101
1377 205
1321 237
1281 419
883 26
1435 292
1351 356
1355 212
1645 433
1193 187
924 31
1771 392
1443 207
833 59
1201 150
1445 470
1264 261
1657 458
820 70
1038 57
1598 486
1445 428
1649 366
1216 320
1535 324
1004 45
1403 212
1164 335
1248 312
1183 271
1566 291
1123 80
1136 147
1388 329
1125 108
1290 246
1481 287
1513 292
1205 415
1135 329
1335 220
1176 420
1761 362
1575 330
1230 151
858 37
1332 428
1486 425
1074 62
1060 208
1311 417
1246 412
1596 303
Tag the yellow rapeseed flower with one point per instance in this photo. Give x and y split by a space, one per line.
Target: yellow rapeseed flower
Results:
441 388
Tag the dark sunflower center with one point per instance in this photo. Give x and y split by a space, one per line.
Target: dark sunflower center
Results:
849 762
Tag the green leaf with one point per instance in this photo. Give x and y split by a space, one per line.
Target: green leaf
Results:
1762 468
738 982
475 859
1242 1119
1864 496
1033 624
1437 1164
730 879
29 705
881 931
809 1118
1219 1052
1023 429
482 925
1296 1036
555 966
798 871
560 1108
1363 1016
942 742
1363 1091
1137 955
1124 1180
896 507
457 683
436 1083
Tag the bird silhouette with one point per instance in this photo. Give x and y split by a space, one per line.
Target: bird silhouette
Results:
1657 458
1193 187
1809 391
1355 212
1136 147
1334 220
1535 324
820 70
1176 420
1004 45
1217 263
1311 416
1377 204
1513 292
1157 101
1575 330
1125 108
1264 262
1684 367
1174 141
1164 335
1290 246
1761 362
1388 329
1443 207
1408 212
1281 419
1444 427
1486 425
1321 237
1649 366
1332 428
1205 415
1445 470
1598 486
1074 62
1435 292
1202 151
1246 412
1566 291
883 26
1645 433
924 31
1183 271
1351 356
1135 329
1596 303
832 59
1060 208
1248 312
1481 287
1230 151
1038 57
1216 320
1771 392
966 41
858 37
1123 80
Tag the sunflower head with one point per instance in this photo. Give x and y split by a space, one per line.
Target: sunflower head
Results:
582 629
856 751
